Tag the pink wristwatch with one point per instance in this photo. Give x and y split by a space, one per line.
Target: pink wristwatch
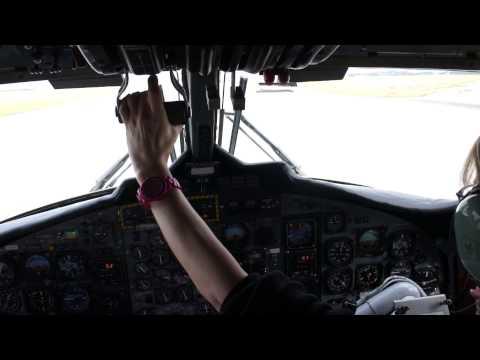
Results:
155 188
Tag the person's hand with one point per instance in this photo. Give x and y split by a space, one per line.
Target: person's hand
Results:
150 136
475 293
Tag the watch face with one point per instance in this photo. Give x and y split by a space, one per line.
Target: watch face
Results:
153 187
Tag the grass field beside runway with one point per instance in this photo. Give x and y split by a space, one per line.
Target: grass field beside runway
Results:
16 102
394 86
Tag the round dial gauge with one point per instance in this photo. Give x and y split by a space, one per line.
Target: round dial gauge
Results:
427 276
161 258
402 244
184 294
425 272
339 281
37 266
402 268
370 243
10 301
163 274
235 232
71 266
300 234
76 300
143 284
368 276
7 274
181 278
142 269
340 252
100 233
140 253
109 305
164 296
41 301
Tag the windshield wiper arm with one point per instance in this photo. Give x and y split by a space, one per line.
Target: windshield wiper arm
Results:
251 139
100 183
275 148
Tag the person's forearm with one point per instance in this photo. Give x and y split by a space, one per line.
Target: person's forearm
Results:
213 270
150 140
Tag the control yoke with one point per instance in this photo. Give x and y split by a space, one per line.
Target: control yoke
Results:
398 295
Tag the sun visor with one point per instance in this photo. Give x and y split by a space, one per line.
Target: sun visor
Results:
98 81
73 66
318 73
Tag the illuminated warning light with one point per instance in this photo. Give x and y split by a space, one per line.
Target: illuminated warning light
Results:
109 266
70 234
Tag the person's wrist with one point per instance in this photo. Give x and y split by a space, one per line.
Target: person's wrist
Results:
143 175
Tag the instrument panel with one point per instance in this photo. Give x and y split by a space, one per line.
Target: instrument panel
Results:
71 268
116 261
356 248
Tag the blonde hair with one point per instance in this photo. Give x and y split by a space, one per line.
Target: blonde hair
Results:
471 168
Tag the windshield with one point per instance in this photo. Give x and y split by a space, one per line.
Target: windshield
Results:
56 144
402 130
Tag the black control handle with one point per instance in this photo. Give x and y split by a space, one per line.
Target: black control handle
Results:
177 112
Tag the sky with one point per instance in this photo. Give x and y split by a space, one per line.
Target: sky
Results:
409 134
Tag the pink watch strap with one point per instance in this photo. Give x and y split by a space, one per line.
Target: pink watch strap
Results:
167 184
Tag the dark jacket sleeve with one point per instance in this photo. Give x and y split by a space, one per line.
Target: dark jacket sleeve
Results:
274 293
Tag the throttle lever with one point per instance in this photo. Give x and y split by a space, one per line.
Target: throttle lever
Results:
177 111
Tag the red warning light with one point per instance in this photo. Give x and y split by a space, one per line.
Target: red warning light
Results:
268 77
283 76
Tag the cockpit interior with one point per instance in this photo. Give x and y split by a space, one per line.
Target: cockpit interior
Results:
102 253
